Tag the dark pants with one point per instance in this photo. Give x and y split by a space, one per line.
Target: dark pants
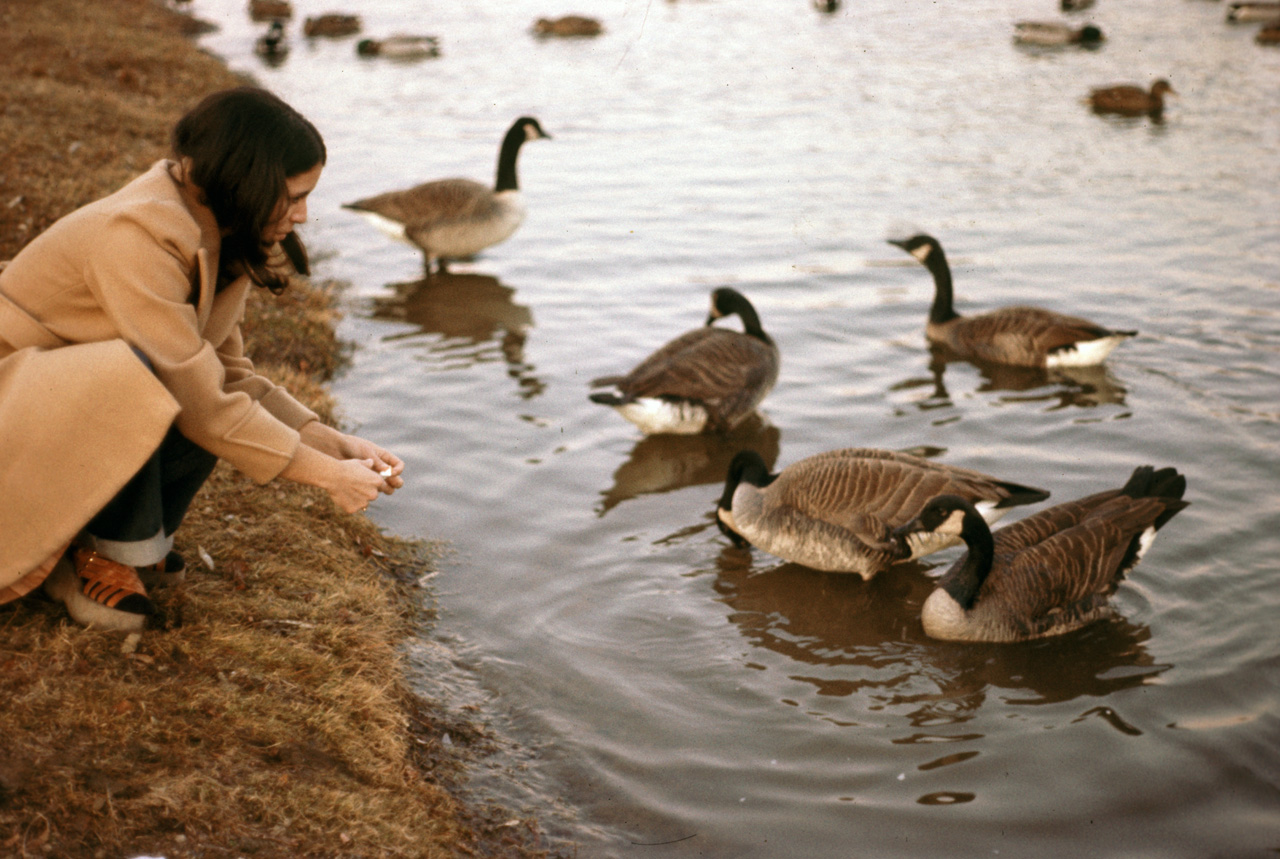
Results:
156 499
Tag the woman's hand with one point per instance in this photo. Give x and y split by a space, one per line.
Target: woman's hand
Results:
351 483
339 445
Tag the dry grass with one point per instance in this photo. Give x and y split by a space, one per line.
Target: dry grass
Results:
266 713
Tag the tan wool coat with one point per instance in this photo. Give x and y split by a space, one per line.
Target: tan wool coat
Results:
79 412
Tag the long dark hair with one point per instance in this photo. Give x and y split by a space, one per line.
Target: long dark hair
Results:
243 144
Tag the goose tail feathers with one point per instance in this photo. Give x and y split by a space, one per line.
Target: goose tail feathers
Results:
1164 483
1019 495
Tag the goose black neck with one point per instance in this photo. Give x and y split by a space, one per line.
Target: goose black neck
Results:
750 321
746 465
965 578
506 180
942 310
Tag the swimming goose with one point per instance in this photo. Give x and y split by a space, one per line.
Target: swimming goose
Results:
836 511
400 47
1130 100
706 380
331 24
1052 34
1021 336
456 218
1242 12
1049 573
569 25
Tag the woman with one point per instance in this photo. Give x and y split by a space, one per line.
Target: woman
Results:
122 370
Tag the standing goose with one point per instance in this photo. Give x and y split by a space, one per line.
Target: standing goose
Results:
705 380
1053 34
1049 573
836 511
456 218
1130 100
1020 336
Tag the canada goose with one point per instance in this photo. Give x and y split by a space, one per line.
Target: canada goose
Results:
836 511
1131 100
1075 5
569 25
272 44
1049 573
331 24
269 10
1052 34
705 380
1021 336
1241 12
400 47
456 218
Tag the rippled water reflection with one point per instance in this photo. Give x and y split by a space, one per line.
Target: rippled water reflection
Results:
692 699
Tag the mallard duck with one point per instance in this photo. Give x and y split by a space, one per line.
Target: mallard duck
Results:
569 25
828 6
1131 100
272 44
400 47
706 380
457 218
1075 5
1053 34
1020 336
1049 573
1240 13
270 10
331 24
836 511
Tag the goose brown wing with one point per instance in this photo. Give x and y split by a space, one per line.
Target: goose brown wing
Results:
421 207
1044 524
1020 335
1071 570
706 364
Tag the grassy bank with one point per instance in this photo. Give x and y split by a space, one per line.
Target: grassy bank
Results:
266 713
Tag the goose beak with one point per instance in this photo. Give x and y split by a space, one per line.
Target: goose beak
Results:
901 532
900 243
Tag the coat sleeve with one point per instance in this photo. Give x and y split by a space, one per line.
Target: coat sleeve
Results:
241 376
143 280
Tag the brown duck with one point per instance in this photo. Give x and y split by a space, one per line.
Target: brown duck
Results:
1130 100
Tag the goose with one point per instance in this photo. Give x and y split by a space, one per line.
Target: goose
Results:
400 47
1131 100
706 380
1053 34
331 24
1241 12
836 511
569 25
1049 573
1020 336
272 44
270 10
456 218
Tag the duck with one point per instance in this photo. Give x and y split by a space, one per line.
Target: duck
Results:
272 44
836 511
1017 336
706 380
1238 13
1075 5
400 47
828 6
270 10
1054 34
331 24
1268 35
457 218
1131 100
569 25
1050 573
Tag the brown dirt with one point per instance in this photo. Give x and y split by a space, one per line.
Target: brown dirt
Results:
266 713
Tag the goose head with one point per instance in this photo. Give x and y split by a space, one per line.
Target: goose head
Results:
528 128
749 467
726 301
946 515
920 246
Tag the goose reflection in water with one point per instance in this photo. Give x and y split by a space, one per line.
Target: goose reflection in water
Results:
864 639
471 313
665 463
1061 387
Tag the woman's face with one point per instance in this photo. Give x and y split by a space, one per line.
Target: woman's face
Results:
292 210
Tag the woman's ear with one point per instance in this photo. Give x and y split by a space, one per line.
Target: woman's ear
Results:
296 251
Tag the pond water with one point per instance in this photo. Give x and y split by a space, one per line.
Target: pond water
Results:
685 698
